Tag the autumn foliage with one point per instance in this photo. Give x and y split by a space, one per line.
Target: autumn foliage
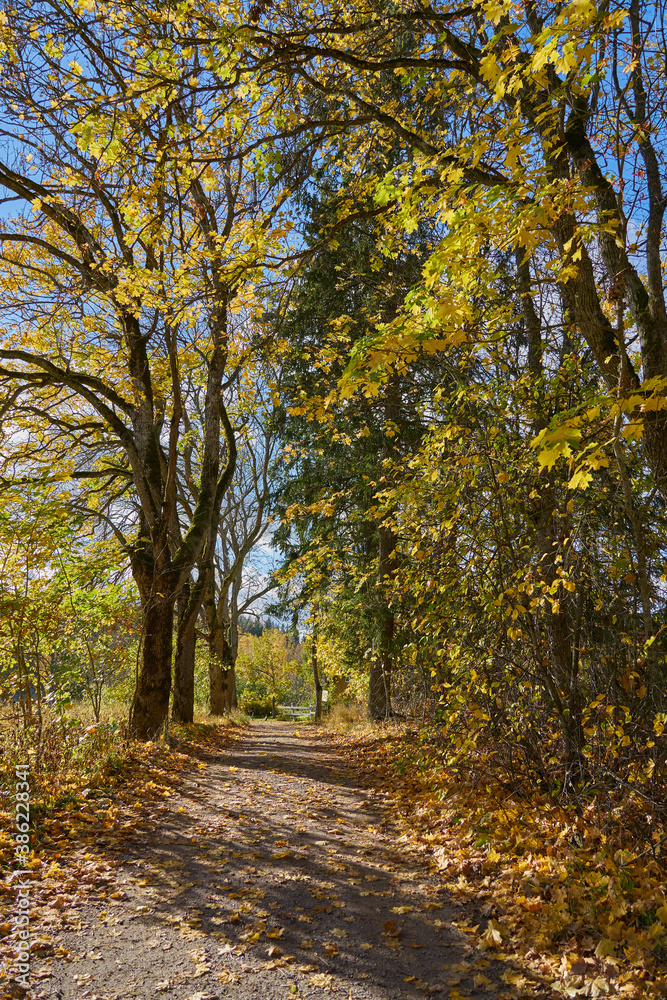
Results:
382 285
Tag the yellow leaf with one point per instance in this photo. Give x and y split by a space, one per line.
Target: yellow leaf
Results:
604 948
580 480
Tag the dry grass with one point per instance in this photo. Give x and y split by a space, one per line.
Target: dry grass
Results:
117 710
348 718
111 710
234 720
69 751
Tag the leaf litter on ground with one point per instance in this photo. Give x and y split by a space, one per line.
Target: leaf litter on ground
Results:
562 901
518 872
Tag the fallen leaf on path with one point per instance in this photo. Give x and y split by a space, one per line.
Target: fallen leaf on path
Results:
493 936
482 980
323 980
392 929
226 976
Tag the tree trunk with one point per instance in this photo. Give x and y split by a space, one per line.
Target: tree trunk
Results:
233 639
379 688
216 702
228 675
190 604
560 668
222 681
150 704
183 702
216 658
232 687
379 694
216 684
316 677
24 684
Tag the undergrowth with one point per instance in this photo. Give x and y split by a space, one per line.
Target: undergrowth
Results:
64 755
571 885
75 764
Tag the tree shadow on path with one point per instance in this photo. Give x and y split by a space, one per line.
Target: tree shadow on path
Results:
275 874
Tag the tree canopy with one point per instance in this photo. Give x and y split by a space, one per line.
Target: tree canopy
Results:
383 284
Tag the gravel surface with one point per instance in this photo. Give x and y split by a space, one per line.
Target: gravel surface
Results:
275 874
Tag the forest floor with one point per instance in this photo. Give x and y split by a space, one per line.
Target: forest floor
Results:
265 862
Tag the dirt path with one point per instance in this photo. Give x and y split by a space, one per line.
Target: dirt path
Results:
275 875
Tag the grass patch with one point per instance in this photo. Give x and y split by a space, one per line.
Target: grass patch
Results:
348 718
